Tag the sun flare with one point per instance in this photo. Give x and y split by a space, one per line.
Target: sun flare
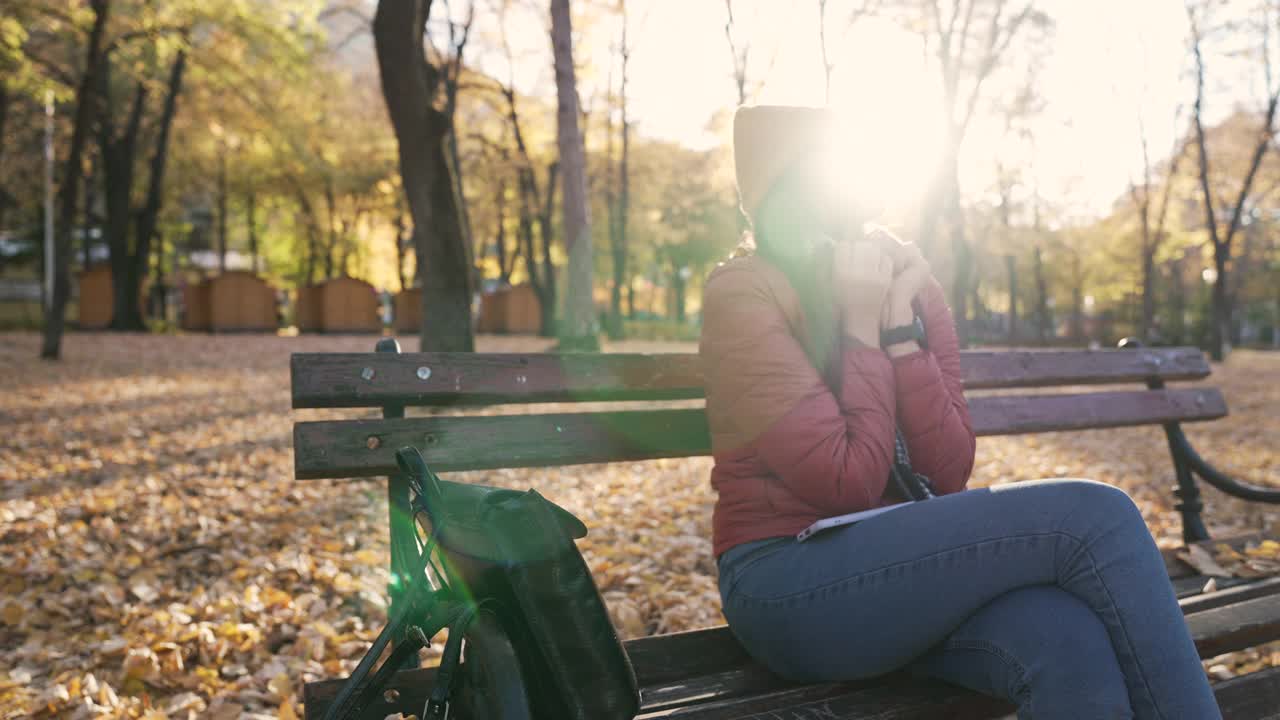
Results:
887 100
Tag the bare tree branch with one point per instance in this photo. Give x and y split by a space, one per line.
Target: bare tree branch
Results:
996 47
1198 122
739 56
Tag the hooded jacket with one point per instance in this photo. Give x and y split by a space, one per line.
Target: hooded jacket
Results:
787 449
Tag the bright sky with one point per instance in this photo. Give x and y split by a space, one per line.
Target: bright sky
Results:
1104 54
1109 62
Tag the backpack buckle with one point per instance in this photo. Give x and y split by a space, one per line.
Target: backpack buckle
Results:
436 710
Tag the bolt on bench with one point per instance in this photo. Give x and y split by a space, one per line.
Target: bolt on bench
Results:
705 674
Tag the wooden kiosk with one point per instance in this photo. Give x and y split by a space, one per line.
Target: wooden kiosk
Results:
340 305
235 301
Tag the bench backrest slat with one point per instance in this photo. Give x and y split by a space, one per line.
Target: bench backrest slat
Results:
329 380
363 448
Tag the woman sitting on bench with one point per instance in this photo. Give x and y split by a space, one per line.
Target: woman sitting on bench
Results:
822 387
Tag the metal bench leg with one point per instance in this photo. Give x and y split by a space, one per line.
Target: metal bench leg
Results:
403 542
1189 504
1188 494
1188 464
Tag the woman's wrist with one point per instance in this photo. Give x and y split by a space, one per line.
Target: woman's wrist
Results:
898 312
897 350
866 334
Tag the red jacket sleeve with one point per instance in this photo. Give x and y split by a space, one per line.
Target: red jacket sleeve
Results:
832 453
932 411
835 452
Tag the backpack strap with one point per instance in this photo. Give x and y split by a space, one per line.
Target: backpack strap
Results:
910 483
438 704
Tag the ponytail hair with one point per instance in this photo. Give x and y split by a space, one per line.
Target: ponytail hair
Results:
809 275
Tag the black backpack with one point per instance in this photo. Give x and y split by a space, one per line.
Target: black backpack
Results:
501 568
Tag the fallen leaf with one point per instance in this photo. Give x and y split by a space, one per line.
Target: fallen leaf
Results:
1200 559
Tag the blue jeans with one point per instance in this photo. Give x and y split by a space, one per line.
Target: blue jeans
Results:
1049 593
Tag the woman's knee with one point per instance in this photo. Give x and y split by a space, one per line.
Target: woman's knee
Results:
1092 503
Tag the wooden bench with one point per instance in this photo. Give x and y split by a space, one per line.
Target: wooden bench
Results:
705 674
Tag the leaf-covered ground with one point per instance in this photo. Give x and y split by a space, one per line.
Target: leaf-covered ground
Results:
158 560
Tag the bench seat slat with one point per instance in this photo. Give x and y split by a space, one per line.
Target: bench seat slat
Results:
1018 414
1236 626
365 447
329 380
708 670
1255 696
895 697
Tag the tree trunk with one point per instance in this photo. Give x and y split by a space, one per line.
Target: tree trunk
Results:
222 211
1043 322
161 290
403 239
4 114
578 330
1275 317
1148 313
251 218
618 247
1177 300
312 229
51 347
613 322
677 294
119 153
1012 267
1219 312
331 229
506 260
619 260
960 252
1221 238
622 257
550 324
346 226
90 199
535 207
463 211
408 85
453 254
148 215
1077 314
524 240
402 242
930 213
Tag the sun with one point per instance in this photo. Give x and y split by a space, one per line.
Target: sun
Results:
889 99
890 130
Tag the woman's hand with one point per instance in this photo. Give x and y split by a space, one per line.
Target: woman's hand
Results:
911 272
907 260
862 275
